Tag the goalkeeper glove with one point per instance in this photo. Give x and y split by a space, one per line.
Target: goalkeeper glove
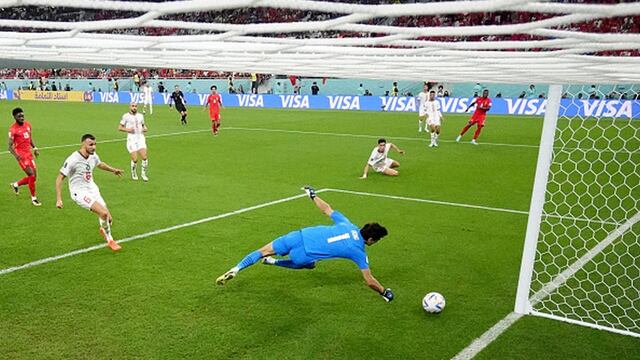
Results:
311 192
387 295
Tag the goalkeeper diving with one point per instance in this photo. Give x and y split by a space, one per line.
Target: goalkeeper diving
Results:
305 247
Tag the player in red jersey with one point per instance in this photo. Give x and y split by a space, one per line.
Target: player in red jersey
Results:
20 144
214 101
483 104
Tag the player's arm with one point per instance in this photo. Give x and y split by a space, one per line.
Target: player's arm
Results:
375 285
144 128
59 181
470 105
321 204
122 128
365 171
394 147
107 167
12 151
36 151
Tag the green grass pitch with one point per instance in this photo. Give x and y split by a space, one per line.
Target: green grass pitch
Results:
157 298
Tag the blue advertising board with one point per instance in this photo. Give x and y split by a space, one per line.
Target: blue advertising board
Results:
501 106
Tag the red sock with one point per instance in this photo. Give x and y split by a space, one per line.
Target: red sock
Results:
477 133
23 181
213 127
464 129
32 185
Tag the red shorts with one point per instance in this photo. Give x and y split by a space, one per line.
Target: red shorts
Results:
478 119
26 161
214 116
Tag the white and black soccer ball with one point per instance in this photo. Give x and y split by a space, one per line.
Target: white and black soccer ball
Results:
433 303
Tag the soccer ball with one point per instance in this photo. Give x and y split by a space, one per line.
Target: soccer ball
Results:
433 303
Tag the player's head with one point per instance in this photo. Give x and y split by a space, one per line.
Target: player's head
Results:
372 232
133 107
89 143
381 144
176 88
425 87
432 95
485 93
18 115
214 89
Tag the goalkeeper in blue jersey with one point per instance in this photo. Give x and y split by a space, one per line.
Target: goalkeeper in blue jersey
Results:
307 246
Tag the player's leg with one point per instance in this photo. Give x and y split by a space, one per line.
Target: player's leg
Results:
29 167
104 217
281 246
436 130
145 163
390 172
465 129
477 133
421 122
298 259
134 162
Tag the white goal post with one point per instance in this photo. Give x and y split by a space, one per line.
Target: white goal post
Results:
581 258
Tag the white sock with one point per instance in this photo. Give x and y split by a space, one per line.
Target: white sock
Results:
420 125
106 226
234 269
145 163
433 136
133 168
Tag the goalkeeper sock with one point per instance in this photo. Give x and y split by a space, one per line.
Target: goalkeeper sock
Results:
291 265
249 260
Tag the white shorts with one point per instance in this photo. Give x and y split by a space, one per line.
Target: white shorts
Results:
147 101
136 143
86 199
433 120
383 167
422 113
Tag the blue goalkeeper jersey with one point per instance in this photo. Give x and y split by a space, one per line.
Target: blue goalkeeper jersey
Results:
341 240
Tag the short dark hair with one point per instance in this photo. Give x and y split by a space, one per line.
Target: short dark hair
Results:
432 92
87 136
17 111
382 141
373 231
213 87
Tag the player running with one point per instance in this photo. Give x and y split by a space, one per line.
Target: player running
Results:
20 145
214 101
79 169
483 104
379 160
177 97
422 108
147 96
307 246
133 124
434 118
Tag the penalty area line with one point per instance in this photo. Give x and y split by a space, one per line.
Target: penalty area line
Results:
151 233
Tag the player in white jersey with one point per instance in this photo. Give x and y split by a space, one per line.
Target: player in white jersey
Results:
79 169
434 118
422 110
147 97
133 124
379 160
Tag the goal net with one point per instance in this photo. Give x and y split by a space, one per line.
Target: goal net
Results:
582 253
488 41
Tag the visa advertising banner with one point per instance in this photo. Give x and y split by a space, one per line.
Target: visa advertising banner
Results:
629 109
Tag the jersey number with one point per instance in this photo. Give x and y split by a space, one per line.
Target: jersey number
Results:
25 135
344 236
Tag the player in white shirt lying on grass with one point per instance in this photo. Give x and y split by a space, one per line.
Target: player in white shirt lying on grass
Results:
379 160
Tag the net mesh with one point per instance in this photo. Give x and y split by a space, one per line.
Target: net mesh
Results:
522 42
587 264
